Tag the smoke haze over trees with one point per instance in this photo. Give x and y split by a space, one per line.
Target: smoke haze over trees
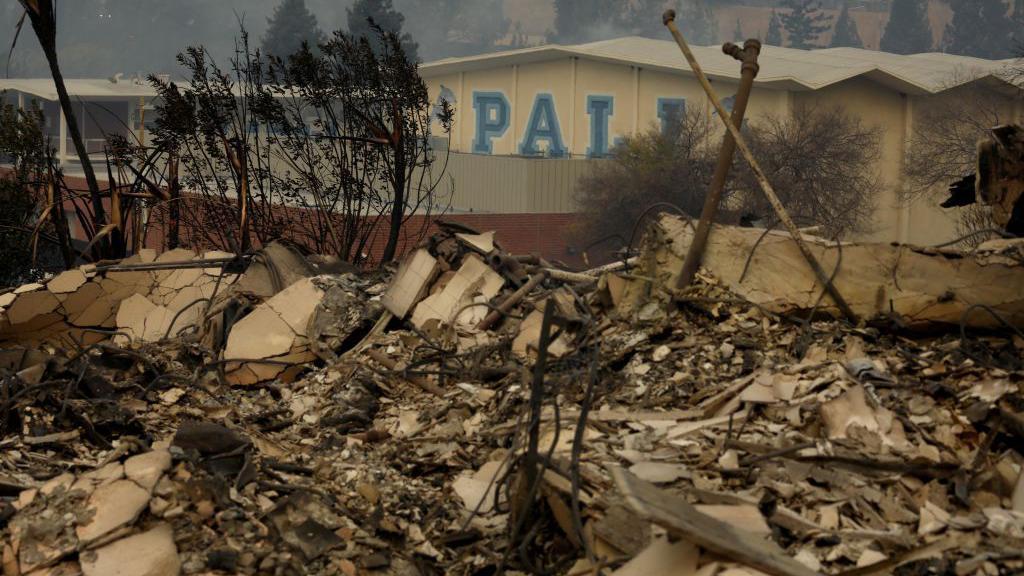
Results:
98 38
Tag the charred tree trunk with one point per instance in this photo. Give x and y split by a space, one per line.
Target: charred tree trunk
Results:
41 14
173 207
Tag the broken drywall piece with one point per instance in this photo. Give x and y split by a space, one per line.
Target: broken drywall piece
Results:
851 409
474 278
6 299
746 517
663 558
151 553
476 490
26 288
528 339
679 517
482 243
67 282
411 282
659 472
113 506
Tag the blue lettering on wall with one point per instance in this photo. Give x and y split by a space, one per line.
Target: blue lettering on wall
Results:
543 125
671 111
728 102
491 119
600 108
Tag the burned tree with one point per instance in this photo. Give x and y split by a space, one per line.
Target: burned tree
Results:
821 162
369 151
320 148
209 130
42 14
943 149
671 165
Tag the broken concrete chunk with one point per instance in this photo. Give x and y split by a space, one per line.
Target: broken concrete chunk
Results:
88 306
146 469
26 288
112 506
151 553
30 305
261 334
179 279
411 283
157 324
131 315
67 282
924 287
6 299
296 303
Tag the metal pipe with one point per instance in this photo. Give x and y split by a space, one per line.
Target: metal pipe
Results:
769 192
150 266
748 56
511 301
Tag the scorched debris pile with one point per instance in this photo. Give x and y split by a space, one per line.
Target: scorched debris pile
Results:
477 412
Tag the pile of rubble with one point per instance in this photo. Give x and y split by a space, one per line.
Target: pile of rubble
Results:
478 412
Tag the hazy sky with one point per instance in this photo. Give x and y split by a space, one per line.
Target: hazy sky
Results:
98 38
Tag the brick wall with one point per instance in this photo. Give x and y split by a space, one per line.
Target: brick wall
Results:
545 234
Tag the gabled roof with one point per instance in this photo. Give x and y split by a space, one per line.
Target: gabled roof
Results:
78 87
782 68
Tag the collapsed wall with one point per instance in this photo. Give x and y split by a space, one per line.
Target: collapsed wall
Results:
88 304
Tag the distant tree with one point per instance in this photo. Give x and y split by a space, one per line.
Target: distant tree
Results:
908 30
643 18
383 14
291 25
979 28
774 37
737 34
698 23
582 20
845 34
445 28
804 22
1018 25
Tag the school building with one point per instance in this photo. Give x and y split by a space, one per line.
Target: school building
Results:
529 122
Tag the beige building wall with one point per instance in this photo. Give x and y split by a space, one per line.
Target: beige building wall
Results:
636 91
883 109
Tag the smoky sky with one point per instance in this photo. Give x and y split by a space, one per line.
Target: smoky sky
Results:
98 38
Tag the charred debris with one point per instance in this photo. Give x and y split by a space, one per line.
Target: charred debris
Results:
476 412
